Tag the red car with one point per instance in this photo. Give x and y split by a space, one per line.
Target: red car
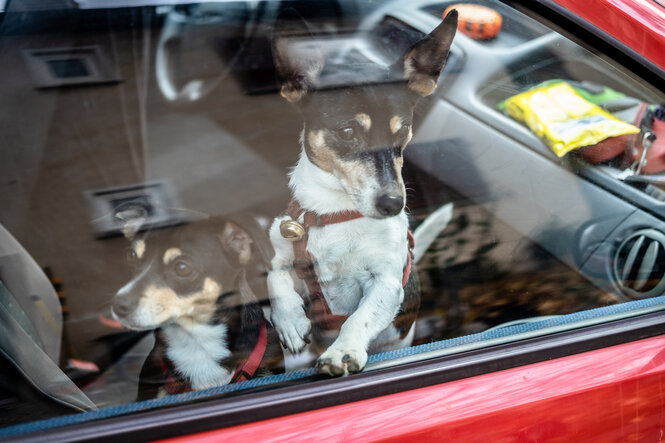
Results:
541 316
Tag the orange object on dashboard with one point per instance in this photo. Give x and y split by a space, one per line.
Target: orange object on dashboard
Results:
476 21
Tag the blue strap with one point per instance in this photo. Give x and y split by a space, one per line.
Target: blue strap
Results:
114 411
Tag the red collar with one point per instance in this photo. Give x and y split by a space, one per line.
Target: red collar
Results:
313 219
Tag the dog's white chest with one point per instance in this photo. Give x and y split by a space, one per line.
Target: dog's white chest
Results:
196 352
349 255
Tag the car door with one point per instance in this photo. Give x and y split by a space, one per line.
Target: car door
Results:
541 298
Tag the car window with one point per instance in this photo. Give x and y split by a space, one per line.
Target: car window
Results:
206 199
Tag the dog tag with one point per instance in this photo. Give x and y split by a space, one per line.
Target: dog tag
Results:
292 230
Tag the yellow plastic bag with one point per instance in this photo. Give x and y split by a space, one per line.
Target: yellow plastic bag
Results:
563 119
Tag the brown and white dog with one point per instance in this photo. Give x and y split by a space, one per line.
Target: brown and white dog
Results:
343 244
190 285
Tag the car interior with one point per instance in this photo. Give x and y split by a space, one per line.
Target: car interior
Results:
170 113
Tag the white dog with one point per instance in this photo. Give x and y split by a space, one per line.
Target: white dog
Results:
343 254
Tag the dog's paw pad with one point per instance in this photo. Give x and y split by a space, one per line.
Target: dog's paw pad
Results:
336 362
351 363
326 366
323 362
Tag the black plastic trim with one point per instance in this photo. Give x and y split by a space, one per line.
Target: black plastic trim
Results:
251 407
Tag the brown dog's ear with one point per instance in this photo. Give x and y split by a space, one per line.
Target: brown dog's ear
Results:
424 61
237 242
298 59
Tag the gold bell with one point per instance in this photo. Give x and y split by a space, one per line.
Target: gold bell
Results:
292 230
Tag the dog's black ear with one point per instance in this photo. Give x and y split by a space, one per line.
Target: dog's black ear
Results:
297 56
236 241
424 61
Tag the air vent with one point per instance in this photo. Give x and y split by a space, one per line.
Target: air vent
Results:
55 67
639 264
152 205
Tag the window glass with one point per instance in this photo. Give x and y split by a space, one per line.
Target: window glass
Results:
157 237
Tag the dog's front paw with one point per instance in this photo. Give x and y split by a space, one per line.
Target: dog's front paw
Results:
341 361
292 326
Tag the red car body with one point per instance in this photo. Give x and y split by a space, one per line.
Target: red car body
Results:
609 394
612 394
639 24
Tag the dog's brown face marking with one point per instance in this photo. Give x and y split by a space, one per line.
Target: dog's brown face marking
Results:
395 124
364 120
138 246
165 305
170 255
321 154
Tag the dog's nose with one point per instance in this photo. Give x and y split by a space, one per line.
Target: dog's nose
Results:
389 204
121 307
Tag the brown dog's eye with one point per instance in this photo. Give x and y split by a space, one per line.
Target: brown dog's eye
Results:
182 269
403 131
346 133
132 257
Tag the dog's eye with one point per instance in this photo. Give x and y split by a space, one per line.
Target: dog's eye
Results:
132 257
182 269
346 133
403 131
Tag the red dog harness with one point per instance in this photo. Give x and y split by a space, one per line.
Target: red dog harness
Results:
303 265
247 370
244 372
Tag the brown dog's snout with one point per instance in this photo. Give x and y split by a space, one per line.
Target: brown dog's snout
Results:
122 306
389 205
